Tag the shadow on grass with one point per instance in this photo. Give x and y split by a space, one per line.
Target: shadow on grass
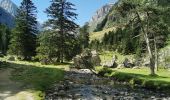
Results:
32 77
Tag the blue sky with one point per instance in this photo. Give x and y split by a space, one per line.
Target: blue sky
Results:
85 8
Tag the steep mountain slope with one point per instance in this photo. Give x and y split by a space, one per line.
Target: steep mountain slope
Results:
99 16
7 13
6 18
113 19
9 6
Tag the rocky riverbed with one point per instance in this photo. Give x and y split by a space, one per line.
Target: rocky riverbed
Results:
84 85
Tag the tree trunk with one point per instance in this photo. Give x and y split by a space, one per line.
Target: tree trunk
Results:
156 55
152 66
145 33
62 33
151 57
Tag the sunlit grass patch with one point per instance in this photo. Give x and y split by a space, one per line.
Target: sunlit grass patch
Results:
139 77
39 78
99 35
108 55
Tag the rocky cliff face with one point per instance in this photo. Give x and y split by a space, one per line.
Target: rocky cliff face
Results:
9 6
99 16
114 19
7 13
6 18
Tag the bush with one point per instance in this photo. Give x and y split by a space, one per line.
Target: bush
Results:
135 82
122 77
105 72
148 84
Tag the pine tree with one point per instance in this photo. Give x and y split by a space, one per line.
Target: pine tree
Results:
23 38
62 16
4 39
84 36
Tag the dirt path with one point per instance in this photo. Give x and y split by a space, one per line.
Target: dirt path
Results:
10 90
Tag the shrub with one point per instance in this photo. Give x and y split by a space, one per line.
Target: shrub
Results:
105 72
148 84
122 77
135 82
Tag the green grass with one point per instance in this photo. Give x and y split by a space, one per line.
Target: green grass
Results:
163 75
139 77
64 66
38 77
99 35
34 77
107 56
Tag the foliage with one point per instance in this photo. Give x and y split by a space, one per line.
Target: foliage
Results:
4 39
131 40
62 16
95 44
84 36
23 37
104 72
49 48
47 45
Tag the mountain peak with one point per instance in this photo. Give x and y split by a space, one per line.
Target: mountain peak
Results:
9 6
99 15
101 12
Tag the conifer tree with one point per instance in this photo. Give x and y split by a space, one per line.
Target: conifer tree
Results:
4 39
62 16
23 38
84 36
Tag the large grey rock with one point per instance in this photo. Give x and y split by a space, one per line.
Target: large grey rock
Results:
95 58
87 59
127 63
120 66
112 63
45 61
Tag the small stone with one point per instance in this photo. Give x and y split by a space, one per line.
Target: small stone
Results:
77 95
105 92
152 97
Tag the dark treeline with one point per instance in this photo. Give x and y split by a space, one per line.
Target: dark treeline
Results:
4 39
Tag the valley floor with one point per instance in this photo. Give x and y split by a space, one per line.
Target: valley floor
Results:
20 80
